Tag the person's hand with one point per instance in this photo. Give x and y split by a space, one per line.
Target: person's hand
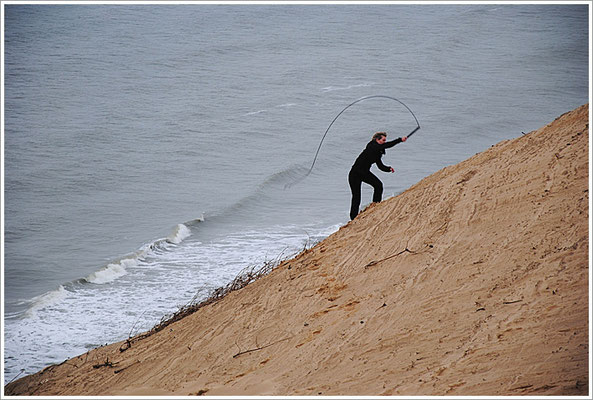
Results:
404 138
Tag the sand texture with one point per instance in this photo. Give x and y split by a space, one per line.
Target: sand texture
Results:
472 282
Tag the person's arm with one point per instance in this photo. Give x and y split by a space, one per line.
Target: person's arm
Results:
394 142
383 167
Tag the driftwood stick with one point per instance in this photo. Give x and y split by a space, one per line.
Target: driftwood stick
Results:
406 250
107 363
19 374
261 348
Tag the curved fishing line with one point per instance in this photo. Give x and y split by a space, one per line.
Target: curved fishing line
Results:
350 105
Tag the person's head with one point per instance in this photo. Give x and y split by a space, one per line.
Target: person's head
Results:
380 137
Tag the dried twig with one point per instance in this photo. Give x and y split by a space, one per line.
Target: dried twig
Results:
262 347
107 363
133 326
19 374
406 250
127 345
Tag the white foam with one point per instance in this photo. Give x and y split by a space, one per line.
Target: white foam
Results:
254 113
329 230
334 88
45 300
111 272
159 280
118 269
180 233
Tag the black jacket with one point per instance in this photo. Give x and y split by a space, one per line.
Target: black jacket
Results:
372 154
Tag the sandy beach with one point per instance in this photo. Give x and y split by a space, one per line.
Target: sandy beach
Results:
473 282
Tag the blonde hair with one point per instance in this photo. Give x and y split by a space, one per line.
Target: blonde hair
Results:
378 135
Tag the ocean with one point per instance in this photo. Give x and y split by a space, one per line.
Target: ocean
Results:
152 152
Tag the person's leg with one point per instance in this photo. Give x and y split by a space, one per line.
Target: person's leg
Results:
354 181
377 185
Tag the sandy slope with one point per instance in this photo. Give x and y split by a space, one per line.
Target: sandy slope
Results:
472 282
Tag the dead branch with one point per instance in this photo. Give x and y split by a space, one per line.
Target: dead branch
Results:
406 250
19 374
107 363
127 345
262 347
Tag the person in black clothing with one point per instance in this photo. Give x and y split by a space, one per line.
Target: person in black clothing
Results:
360 171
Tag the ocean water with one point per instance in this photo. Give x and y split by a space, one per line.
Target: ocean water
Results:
151 152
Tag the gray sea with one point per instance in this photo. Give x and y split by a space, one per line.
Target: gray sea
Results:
152 152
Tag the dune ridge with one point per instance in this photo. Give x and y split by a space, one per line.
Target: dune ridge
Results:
474 281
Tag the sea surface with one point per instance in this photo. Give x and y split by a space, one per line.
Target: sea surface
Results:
152 152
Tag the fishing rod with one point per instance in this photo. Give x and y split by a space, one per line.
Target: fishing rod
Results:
350 105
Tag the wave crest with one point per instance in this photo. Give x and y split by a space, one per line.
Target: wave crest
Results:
46 300
180 233
111 272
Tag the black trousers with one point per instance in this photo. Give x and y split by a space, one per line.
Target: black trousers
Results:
355 179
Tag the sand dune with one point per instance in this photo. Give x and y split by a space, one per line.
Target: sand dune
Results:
472 282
